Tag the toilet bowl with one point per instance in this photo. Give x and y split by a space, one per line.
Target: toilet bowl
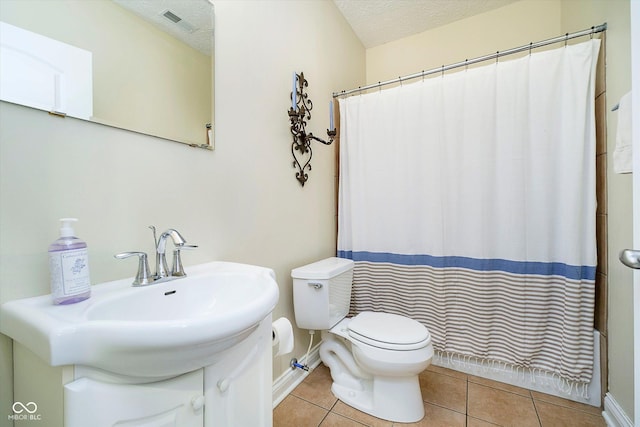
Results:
374 358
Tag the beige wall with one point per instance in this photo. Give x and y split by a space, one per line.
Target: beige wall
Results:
515 25
578 14
240 202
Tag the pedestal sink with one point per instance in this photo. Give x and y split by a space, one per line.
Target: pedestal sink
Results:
156 331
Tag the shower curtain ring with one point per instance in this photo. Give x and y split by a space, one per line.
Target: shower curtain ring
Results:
530 47
566 38
442 75
466 64
497 55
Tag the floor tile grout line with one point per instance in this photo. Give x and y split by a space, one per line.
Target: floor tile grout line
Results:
561 405
315 404
349 418
466 402
566 408
484 421
484 383
443 407
530 397
507 391
323 418
535 408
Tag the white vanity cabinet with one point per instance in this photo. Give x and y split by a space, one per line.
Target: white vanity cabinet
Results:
234 391
177 402
194 351
59 400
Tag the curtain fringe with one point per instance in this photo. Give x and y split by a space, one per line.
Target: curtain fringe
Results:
526 376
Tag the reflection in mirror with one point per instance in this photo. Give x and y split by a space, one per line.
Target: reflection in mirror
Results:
141 65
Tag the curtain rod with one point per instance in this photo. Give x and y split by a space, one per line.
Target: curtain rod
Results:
532 45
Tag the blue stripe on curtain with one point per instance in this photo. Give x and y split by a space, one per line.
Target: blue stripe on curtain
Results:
573 272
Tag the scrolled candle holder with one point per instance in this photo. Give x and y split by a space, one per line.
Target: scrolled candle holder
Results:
299 115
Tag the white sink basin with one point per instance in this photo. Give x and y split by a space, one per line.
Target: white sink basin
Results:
159 330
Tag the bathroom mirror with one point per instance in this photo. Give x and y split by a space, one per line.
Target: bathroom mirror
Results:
140 65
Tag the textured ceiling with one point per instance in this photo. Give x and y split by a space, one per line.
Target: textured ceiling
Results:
197 13
377 22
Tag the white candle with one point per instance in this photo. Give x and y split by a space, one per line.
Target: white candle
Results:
294 96
331 127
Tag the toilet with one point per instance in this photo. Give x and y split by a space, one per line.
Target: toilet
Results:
374 358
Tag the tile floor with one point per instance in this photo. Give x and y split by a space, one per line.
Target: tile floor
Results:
451 399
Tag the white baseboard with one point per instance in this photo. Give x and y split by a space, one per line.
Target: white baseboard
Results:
285 383
613 413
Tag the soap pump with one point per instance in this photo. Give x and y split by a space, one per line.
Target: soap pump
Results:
69 266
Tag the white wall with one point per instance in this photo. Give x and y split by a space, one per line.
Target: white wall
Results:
239 203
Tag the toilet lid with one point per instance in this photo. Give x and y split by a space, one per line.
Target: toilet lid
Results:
388 331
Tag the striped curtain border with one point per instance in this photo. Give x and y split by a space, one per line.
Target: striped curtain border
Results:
571 272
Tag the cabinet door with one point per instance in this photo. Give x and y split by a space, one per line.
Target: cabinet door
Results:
171 403
238 387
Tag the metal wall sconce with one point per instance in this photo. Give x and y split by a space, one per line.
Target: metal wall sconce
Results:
299 114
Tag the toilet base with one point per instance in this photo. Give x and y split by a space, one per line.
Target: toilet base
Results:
395 399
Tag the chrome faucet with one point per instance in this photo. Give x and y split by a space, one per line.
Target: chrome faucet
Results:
162 269
162 273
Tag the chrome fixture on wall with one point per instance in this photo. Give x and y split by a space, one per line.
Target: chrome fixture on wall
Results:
299 114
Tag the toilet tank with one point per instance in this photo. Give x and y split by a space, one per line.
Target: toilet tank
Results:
322 292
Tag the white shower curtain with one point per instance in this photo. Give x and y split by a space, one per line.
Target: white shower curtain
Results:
468 202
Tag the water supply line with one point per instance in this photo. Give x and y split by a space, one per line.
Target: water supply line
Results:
306 358
294 362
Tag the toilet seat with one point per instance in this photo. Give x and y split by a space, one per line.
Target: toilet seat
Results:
388 331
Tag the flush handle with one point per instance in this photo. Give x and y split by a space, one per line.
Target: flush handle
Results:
315 285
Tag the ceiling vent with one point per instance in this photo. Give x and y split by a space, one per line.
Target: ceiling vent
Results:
174 18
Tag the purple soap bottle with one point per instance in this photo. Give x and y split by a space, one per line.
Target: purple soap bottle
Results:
69 266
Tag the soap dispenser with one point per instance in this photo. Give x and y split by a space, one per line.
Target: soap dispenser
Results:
69 266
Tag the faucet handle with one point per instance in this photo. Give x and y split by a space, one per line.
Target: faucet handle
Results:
143 277
186 247
177 270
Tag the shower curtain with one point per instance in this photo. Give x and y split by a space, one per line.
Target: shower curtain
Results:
467 202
